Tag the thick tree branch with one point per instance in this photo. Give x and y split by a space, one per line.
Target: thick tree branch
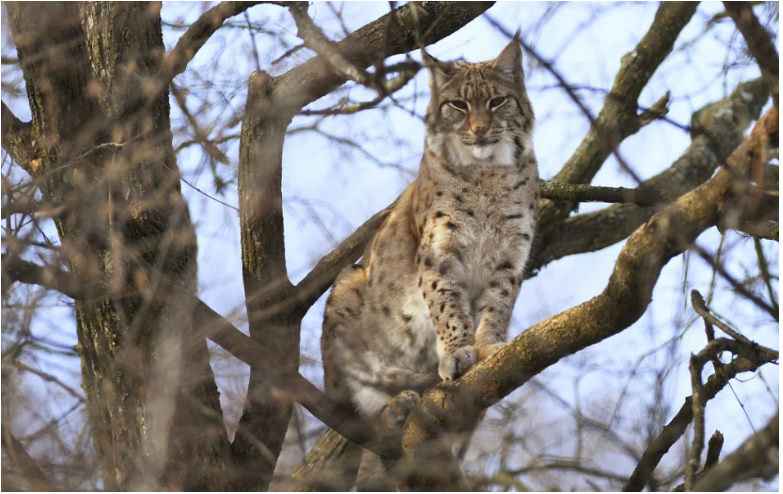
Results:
759 43
455 405
558 191
17 139
768 230
392 34
315 39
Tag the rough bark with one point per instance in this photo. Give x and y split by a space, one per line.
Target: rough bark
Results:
112 171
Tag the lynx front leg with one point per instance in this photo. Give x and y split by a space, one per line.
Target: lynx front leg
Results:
494 308
446 299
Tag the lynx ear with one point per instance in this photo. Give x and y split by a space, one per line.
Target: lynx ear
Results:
439 71
509 62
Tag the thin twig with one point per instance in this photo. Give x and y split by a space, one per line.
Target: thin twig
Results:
739 287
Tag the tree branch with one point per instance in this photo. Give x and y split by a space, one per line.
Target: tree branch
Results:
757 457
723 129
676 427
18 454
392 34
558 191
759 43
17 139
321 277
700 306
455 405
217 328
618 118
315 39
194 38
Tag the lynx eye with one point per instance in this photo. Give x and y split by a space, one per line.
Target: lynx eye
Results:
496 103
459 105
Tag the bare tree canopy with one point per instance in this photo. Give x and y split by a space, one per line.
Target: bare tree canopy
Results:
182 184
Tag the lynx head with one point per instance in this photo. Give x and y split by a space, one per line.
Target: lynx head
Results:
479 112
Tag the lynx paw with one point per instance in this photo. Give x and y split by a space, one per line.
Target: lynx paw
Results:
398 409
454 364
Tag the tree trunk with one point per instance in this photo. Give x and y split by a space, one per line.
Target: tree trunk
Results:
104 157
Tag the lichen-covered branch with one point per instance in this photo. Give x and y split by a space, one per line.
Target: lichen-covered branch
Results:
722 130
557 191
625 298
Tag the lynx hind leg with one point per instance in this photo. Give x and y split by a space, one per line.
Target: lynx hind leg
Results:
393 415
339 343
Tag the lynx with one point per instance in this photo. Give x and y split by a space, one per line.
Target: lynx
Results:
434 291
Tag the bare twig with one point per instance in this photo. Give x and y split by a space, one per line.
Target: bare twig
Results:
713 451
49 378
194 38
757 457
701 308
202 137
739 287
676 427
713 455
30 469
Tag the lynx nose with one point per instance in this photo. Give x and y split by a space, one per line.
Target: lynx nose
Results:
479 127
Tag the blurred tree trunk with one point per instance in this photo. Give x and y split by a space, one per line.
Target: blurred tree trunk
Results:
104 159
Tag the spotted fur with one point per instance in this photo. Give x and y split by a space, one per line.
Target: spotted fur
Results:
435 289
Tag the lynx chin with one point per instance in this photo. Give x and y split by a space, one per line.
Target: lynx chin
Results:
434 291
